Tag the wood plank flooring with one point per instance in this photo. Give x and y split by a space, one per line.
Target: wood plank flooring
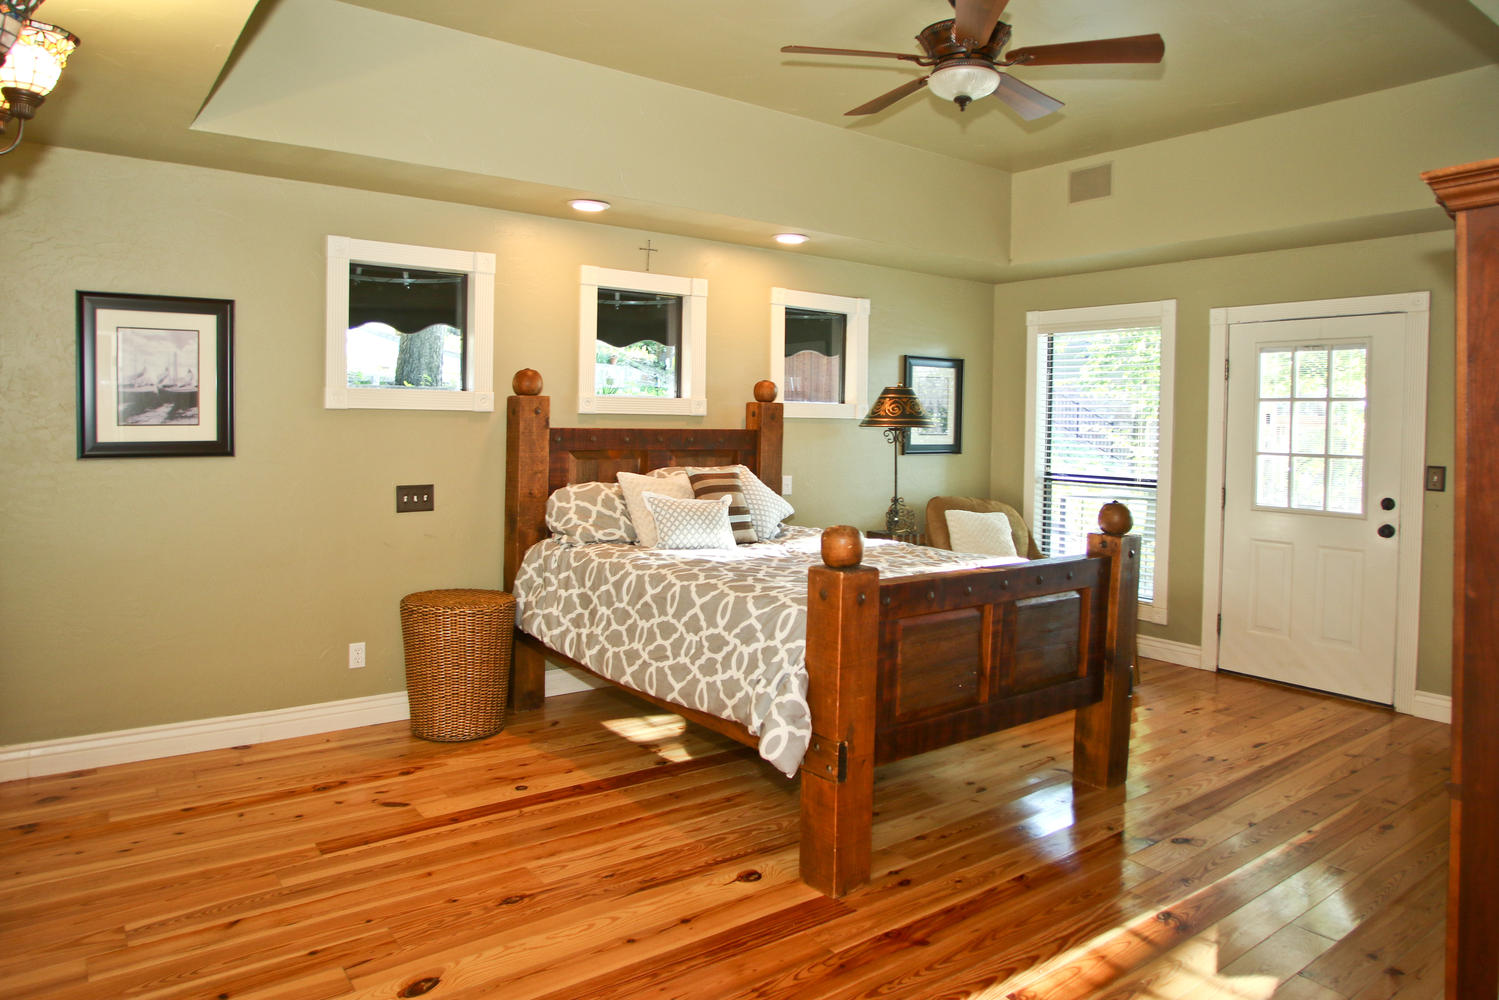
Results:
1269 842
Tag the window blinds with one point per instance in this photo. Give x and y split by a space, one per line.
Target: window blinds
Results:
1098 438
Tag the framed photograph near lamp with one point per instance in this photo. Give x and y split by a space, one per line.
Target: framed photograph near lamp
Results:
938 383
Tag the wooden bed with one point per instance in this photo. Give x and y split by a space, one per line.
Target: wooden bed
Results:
895 667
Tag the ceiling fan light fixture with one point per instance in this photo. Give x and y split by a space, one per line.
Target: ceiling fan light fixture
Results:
589 205
963 83
791 239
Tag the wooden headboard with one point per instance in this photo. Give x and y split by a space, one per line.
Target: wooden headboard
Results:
540 458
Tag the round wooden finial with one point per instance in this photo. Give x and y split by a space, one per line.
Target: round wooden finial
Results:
527 382
765 391
1115 519
842 546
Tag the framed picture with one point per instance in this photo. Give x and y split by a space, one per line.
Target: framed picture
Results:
938 383
155 376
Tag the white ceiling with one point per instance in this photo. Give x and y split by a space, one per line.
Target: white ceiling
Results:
146 69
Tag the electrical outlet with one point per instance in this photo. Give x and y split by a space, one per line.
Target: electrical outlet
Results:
785 486
356 655
419 497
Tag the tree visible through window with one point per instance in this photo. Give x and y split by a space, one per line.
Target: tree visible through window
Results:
406 328
639 344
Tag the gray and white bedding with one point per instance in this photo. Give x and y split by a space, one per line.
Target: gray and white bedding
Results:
722 631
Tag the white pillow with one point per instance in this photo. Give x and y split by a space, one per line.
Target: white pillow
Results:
989 533
690 524
634 485
767 507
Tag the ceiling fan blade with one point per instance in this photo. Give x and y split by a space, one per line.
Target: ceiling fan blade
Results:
817 50
1027 102
1134 49
975 20
885 100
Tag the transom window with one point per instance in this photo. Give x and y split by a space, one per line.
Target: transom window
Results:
408 327
642 342
1309 451
819 346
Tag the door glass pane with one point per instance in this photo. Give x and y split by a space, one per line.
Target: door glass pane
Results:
1307 475
1275 374
1311 372
1273 483
1345 485
1346 429
1350 372
1275 426
1309 428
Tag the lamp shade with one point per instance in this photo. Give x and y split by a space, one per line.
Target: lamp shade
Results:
964 82
35 61
897 406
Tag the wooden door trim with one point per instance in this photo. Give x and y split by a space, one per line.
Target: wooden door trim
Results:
1416 306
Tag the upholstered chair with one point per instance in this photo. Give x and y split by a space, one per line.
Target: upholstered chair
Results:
936 521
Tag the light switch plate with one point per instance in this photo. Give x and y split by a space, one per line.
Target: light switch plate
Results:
419 497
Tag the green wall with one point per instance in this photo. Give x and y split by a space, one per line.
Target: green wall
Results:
136 592
1423 262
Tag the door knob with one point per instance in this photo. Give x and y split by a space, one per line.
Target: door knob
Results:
1388 503
1386 531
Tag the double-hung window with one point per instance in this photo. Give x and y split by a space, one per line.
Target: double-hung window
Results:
1098 397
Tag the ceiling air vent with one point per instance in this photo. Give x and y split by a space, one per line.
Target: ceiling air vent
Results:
1089 183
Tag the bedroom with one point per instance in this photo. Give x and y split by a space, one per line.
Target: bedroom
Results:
296 551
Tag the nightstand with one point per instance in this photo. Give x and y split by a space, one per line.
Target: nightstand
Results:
913 537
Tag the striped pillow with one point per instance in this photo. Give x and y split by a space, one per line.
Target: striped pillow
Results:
726 483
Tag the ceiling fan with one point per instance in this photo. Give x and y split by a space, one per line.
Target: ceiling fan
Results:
965 51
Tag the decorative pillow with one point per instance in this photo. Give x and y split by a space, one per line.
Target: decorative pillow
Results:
767 507
989 533
634 484
667 470
589 512
712 485
690 524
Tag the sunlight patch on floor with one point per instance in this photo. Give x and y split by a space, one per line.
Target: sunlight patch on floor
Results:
660 733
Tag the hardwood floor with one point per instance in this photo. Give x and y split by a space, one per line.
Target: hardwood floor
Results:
1268 842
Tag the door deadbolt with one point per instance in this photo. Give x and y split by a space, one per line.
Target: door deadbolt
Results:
1388 503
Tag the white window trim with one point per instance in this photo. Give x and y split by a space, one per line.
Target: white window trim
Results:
339 395
856 351
1135 314
694 362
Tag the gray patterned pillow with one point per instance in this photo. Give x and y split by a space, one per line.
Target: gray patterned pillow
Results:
767 507
690 524
589 512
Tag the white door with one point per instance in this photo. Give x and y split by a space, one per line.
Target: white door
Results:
1312 502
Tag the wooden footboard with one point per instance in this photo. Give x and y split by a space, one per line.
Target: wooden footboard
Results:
895 667
903 666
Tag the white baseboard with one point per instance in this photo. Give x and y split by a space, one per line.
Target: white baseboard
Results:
1436 707
1181 653
34 760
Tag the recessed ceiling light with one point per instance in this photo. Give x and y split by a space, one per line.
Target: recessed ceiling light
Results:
791 239
589 205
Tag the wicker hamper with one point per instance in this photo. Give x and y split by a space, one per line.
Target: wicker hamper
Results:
458 645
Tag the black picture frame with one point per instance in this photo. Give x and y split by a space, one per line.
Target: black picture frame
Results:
155 376
938 383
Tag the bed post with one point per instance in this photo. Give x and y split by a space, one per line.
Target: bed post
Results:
1100 735
764 415
837 775
527 458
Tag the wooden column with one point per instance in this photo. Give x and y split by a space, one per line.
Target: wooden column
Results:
528 416
1100 732
837 776
1471 195
765 415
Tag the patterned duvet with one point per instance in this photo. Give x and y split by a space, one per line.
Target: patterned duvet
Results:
721 631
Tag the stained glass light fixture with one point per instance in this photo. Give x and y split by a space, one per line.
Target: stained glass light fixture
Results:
32 68
13 17
897 411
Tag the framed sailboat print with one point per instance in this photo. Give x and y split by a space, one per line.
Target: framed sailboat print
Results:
155 376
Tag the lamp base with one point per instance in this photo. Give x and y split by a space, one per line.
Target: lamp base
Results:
900 519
